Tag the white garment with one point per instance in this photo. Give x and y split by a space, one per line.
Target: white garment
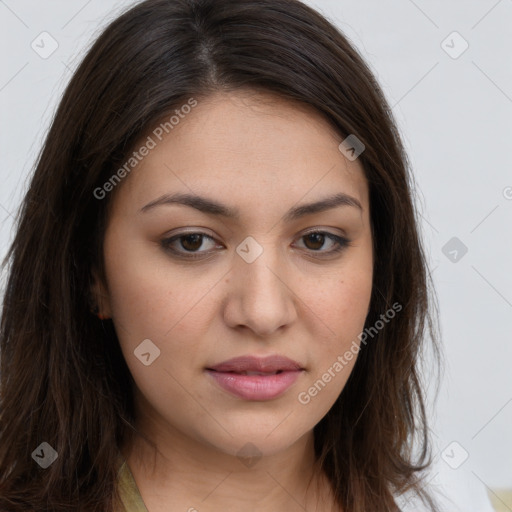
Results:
455 490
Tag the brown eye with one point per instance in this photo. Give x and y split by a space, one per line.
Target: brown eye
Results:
192 242
188 245
315 241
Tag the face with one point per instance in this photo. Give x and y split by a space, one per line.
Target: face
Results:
265 265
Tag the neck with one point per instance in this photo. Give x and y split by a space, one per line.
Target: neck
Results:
184 474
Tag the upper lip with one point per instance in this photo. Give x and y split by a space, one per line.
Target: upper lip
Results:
257 364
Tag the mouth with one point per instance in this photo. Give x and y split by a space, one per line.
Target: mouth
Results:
255 364
253 378
251 373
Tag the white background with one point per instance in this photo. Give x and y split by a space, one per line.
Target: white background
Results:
455 115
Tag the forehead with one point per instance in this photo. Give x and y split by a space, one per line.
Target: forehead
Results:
244 144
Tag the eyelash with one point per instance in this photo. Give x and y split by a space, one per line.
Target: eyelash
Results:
341 242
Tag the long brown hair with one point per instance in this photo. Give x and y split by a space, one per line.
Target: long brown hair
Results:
64 380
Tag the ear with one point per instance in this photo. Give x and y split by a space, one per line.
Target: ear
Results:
100 297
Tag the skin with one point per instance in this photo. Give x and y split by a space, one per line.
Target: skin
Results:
262 155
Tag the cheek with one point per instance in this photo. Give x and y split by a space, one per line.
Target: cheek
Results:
153 301
145 299
344 317
345 300
343 308
352 305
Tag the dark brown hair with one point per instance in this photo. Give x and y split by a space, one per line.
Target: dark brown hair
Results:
63 377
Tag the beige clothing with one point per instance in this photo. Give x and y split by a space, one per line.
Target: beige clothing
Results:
130 495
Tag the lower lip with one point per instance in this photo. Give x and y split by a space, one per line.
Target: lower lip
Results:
255 387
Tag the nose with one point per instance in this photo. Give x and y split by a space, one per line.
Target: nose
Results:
260 295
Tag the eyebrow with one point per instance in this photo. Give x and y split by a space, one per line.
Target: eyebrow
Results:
211 207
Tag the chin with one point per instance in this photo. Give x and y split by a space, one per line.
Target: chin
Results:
257 438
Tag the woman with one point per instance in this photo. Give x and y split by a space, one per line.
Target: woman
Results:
217 294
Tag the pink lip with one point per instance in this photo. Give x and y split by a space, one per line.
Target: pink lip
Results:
230 376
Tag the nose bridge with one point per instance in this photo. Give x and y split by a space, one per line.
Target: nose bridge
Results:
260 298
